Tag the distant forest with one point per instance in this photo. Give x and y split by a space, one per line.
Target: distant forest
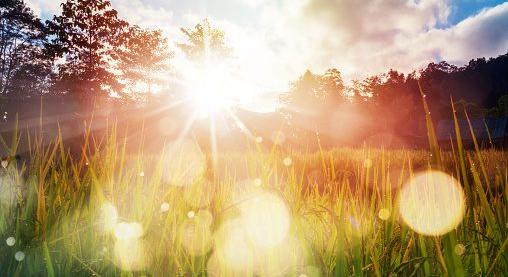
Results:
88 52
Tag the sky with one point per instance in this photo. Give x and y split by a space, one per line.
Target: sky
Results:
275 41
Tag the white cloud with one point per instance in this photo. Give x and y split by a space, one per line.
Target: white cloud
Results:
143 14
45 7
482 35
362 39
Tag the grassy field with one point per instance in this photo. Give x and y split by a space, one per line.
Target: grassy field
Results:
266 212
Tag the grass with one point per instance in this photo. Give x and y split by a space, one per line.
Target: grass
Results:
342 206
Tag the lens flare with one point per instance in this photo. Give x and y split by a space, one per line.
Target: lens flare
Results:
108 217
265 218
233 251
311 271
288 161
19 256
183 163
165 207
432 203
196 237
460 249
10 241
124 231
367 163
282 259
130 254
258 182
130 251
384 214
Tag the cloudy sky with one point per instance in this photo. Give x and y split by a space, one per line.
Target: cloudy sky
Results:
275 41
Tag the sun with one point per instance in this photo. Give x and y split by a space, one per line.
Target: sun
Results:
213 90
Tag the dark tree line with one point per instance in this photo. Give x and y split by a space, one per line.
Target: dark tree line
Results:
393 99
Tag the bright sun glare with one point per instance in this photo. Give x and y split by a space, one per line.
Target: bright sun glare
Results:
212 91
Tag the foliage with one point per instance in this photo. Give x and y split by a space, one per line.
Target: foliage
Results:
204 42
85 36
313 93
23 67
143 60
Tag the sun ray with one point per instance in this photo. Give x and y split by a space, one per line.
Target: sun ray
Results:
240 124
213 141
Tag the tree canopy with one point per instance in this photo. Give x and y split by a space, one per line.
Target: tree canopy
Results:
204 42
85 36
23 65
143 61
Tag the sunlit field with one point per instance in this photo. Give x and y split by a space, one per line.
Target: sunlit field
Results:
299 138
267 212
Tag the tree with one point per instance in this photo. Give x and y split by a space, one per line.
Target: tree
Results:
85 36
143 60
23 66
204 42
332 88
316 93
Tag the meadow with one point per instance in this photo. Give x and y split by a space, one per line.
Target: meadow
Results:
268 211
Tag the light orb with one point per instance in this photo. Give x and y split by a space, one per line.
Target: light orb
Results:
460 249
432 203
367 163
130 254
233 248
19 256
288 161
258 182
108 217
10 241
165 207
125 231
265 218
282 259
384 214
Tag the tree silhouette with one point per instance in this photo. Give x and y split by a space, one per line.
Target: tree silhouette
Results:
143 60
84 36
23 66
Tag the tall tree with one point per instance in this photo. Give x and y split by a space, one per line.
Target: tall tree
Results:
332 88
318 94
204 42
23 66
85 35
143 60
